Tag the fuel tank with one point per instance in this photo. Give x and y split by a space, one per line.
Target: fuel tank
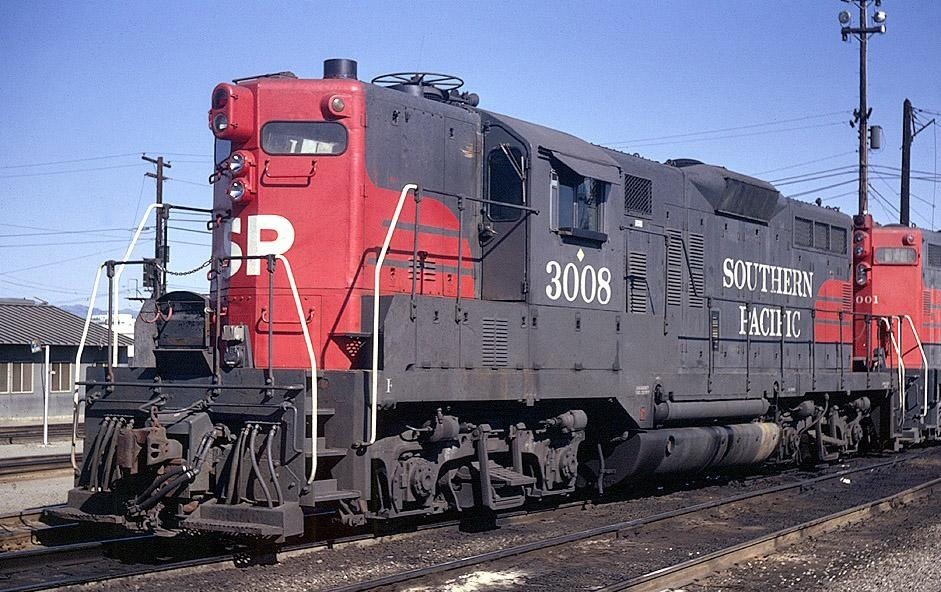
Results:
689 450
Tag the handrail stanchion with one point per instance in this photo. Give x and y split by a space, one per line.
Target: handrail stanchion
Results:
900 366
113 338
120 269
374 377
313 366
924 361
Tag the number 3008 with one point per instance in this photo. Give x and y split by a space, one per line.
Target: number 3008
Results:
573 283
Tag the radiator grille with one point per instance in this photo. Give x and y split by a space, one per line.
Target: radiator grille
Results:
934 255
696 270
637 291
821 236
803 232
494 347
674 268
638 195
838 240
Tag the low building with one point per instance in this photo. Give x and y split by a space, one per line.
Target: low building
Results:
38 345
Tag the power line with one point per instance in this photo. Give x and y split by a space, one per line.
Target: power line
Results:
727 137
800 164
51 263
818 189
181 229
75 171
187 181
726 129
70 161
882 166
36 286
838 195
56 244
82 231
814 175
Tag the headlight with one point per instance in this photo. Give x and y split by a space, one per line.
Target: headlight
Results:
236 163
236 191
220 98
220 123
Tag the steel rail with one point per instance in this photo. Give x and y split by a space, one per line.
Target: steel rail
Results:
684 573
418 573
33 433
47 556
32 464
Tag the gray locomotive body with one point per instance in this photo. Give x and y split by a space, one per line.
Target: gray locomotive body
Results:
628 318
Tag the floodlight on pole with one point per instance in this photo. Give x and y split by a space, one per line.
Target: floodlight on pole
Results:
861 115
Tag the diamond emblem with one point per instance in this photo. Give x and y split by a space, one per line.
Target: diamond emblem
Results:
580 255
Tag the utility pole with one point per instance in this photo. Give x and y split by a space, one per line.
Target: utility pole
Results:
861 118
905 192
161 250
908 134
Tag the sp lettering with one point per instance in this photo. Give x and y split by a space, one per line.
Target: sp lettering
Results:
259 241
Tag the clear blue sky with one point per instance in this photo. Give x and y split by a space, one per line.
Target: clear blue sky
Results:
85 80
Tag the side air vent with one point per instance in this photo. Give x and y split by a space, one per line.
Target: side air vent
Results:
934 255
926 306
674 267
821 236
847 296
838 240
638 195
697 284
426 269
494 346
803 232
637 290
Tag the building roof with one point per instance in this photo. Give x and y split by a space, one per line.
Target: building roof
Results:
22 321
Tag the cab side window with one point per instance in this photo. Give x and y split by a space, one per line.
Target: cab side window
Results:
504 183
578 201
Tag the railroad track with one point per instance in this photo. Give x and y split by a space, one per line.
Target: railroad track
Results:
431 577
687 572
21 434
31 464
135 556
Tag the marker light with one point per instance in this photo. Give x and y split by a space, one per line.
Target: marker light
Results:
236 163
220 123
220 98
337 104
236 191
862 274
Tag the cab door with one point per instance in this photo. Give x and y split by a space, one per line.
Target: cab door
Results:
503 229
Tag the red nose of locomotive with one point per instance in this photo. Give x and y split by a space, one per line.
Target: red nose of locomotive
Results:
293 149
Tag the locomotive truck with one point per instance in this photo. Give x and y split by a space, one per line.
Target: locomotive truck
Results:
418 306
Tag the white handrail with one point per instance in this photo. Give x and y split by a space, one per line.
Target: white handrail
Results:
313 367
374 390
120 270
88 315
900 367
924 360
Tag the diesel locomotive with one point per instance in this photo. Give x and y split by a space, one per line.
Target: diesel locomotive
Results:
418 306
